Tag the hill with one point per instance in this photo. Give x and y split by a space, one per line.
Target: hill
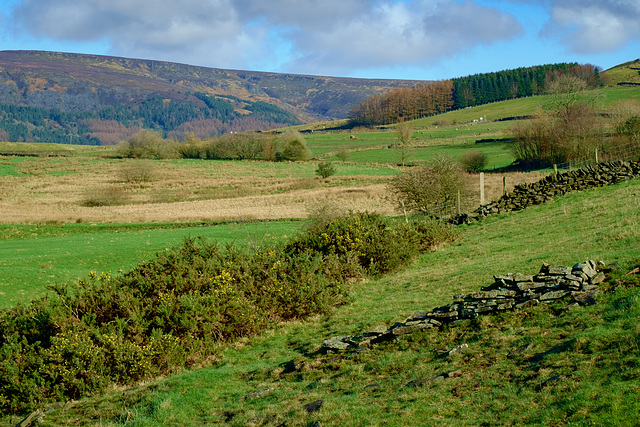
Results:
627 74
96 99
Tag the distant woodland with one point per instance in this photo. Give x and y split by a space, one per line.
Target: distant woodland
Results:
429 98
109 125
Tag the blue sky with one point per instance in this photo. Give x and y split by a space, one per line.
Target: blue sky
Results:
398 39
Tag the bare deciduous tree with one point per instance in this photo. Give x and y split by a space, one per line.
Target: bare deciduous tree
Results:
404 141
424 188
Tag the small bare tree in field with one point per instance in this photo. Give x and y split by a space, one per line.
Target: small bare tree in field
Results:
404 141
425 188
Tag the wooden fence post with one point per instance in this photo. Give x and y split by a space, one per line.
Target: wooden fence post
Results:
481 188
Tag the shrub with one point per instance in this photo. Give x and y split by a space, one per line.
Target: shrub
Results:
106 196
294 147
322 212
269 149
473 160
440 121
190 148
137 172
325 170
343 154
630 128
365 242
147 144
425 188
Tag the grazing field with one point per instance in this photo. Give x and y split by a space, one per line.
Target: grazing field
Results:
49 235
92 186
577 366
68 211
34 257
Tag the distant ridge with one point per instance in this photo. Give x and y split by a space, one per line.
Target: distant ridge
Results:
314 96
100 96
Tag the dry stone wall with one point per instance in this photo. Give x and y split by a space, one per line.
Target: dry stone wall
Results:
508 292
526 195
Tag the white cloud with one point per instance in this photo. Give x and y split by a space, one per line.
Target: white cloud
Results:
328 37
592 26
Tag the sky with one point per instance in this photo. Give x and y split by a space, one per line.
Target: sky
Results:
388 39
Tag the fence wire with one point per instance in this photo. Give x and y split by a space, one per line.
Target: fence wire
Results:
629 151
451 208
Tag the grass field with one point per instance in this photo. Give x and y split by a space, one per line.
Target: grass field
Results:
51 235
591 380
33 257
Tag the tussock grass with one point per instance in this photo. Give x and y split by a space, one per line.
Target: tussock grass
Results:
73 188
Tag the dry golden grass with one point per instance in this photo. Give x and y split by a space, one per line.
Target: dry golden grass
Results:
65 189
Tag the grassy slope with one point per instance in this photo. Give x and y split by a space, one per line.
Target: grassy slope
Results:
450 133
624 73
35 256
581 367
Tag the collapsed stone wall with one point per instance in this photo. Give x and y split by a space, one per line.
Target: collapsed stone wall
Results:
508 292
526 195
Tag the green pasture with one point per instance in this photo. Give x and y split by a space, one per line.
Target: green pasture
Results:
498 153
33 257
522 107
8 166
580 366
619 93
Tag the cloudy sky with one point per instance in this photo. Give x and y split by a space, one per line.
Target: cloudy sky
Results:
404 39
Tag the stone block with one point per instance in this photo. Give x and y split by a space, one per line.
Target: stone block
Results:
553 295
527 303
598 278
558 270
584 269
337 343
518 277
505 306
405 330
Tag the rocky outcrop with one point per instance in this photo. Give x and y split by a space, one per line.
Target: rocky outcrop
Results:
508 292
526 195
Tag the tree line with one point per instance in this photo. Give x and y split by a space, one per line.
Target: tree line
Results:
429 98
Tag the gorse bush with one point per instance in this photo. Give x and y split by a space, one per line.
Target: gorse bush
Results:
177 309
366 243
325 170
